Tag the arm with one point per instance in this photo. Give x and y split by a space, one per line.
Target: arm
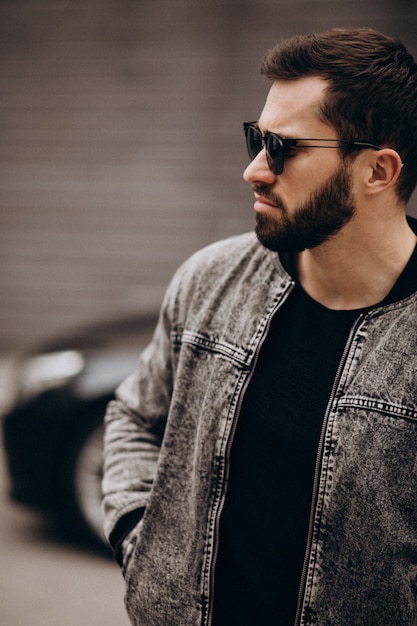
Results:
135 421
134 427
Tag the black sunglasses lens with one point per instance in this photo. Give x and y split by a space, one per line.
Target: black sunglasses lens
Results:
274 147
253 141
274 153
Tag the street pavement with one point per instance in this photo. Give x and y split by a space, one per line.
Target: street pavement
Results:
46 581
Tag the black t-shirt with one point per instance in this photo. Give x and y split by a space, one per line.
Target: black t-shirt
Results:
264 523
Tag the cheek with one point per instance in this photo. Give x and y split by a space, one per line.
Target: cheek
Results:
304 175
295 188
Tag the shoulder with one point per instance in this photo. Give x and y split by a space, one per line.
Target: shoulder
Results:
237 262
225 254
245 242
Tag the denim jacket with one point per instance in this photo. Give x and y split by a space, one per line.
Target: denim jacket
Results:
170 430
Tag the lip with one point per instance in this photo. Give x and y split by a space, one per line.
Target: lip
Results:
262 204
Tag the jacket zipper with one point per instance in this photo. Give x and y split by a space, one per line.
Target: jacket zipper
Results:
317 470
228 450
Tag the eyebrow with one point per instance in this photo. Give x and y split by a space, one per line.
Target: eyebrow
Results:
291 137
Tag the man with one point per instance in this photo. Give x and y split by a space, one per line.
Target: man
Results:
261 465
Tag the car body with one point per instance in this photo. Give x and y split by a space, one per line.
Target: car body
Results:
53 432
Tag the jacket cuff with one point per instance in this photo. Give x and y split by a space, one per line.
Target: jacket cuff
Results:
123 527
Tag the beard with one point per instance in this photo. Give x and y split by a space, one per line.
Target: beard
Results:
324 215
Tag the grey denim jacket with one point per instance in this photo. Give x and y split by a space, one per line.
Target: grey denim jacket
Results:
170 430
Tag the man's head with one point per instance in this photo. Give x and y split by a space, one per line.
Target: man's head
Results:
371 90
338 123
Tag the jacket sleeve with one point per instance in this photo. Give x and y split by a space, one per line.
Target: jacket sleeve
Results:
135 420
134 428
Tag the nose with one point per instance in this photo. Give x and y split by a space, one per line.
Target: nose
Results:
258 170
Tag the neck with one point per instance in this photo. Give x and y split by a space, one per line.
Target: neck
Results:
357 267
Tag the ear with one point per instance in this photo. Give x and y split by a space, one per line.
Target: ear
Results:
386 167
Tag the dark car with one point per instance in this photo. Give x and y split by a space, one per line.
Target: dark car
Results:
53 433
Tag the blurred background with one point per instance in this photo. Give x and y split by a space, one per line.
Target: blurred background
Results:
121 152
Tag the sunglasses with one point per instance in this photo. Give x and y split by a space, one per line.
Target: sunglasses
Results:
277 147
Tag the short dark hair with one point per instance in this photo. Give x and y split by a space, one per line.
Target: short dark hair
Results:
372 93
